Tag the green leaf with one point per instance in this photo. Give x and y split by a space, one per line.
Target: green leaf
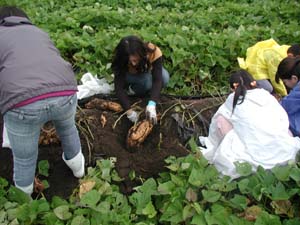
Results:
188 211
24 213
239 201
16 195
80 220
166 188
42 206
295 174
197 177
193 145
62 212
58 201
43 167
198 219
45 183
267 219
211 196
149 210
149 186
177 180
218 215
295 221
244 168
279 192
12 214
172 212
91 198
282 173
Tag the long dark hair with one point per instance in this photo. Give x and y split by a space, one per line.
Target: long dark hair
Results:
7 11
241 81
287 67
131 45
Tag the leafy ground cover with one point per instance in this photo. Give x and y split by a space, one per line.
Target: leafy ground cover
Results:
200 39
166 181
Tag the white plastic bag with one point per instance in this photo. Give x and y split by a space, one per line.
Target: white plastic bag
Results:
5 140
91 85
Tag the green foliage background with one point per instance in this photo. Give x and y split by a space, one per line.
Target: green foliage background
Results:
200 39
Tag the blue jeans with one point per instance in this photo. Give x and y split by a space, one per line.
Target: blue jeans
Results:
23 128
141 84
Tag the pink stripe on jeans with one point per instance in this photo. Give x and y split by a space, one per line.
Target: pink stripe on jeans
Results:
44 96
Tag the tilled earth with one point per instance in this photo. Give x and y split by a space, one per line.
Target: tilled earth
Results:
104 132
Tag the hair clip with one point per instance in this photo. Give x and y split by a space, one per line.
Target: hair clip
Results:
235 85
253 83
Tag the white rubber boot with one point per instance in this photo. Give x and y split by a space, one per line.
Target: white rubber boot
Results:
76 164
27 190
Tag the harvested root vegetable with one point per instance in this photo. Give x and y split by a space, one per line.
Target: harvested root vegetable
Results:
98 103
48 135
138 133
103 120
38 185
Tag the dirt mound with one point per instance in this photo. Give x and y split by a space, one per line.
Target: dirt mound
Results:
179 120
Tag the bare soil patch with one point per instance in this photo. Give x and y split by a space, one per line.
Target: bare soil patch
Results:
180 120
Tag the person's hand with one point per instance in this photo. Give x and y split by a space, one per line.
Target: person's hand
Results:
132 115
151 112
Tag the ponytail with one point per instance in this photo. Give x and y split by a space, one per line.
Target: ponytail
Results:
240 82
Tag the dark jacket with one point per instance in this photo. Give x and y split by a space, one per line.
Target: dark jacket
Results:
30 64
291 104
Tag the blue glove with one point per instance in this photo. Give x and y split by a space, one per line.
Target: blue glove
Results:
132 116
151 112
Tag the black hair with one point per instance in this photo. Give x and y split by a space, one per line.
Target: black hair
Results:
287 67
294 50
7 11
240 81
131 45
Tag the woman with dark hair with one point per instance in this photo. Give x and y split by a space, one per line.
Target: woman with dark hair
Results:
36 85
289 72
250 126
294 50
138 69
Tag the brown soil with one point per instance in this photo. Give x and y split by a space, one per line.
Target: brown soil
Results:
167 138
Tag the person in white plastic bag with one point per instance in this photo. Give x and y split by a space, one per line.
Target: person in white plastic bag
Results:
251 126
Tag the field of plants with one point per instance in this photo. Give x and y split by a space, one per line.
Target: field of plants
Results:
200 40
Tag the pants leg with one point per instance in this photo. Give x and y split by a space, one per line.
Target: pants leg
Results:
63 117
23 129
165 76
141 84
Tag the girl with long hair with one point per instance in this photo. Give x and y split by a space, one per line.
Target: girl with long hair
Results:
251 126
138 69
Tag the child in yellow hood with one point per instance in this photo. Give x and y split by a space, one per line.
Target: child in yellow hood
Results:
262 60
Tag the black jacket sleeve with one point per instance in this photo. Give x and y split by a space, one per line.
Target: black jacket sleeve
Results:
157 80
120 83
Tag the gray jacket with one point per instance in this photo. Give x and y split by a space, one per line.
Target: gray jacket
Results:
30 64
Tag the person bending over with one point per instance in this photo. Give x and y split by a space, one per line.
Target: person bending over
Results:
138 69
289 72
36 86
250 126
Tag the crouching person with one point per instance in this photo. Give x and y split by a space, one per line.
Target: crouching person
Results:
36 86
251 126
